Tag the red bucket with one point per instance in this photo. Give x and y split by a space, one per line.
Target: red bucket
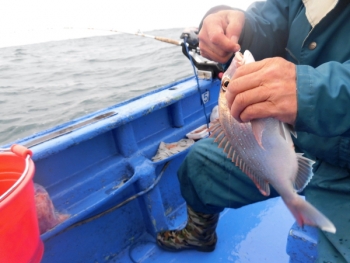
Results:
19 231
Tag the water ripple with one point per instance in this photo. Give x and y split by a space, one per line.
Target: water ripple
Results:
46 84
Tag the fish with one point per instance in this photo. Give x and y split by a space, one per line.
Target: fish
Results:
263 149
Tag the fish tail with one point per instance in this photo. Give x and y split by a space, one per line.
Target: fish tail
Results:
306 214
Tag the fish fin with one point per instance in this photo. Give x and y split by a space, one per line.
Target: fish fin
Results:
304 174
219 136
227 148
216 130
223 142
214 125
260 183
285 131
233 155
218 133
258 129
306 214
230 152
291 130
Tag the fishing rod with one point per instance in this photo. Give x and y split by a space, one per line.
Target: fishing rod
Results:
162 39
138 33
190 48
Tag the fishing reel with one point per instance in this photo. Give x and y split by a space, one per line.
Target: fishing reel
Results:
190 48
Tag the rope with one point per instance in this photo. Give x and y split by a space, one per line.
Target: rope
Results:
87 220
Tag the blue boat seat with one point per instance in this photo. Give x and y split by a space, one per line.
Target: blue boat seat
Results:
302 244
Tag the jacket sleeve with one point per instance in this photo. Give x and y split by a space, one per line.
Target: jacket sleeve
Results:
266 28
324 99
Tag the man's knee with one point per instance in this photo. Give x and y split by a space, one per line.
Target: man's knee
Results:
200 149
199 158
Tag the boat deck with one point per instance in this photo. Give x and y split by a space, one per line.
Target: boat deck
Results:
249 234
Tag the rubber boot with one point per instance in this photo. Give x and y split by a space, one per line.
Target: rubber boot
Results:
199 233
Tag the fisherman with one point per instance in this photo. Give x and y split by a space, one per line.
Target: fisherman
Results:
301 77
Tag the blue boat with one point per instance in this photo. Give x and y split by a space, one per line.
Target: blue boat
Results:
99 170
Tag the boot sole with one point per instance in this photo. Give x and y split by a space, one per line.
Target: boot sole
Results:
199 248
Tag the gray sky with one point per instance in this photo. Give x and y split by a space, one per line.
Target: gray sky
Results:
33 21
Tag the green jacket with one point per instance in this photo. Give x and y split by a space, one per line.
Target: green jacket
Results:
322 55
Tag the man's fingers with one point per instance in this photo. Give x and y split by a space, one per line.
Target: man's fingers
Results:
241 84
263 89
216 46
235 25
207 53
249 68
245 100
258 111
218 38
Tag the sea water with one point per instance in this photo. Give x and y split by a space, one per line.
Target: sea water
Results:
46 84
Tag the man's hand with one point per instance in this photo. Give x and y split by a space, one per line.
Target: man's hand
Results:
218 38
264 89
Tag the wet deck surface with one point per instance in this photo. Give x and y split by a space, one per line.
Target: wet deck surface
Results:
256 233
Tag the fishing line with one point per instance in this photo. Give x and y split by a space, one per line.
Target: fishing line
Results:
197 80
137 33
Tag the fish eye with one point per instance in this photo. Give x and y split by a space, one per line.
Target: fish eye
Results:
225 83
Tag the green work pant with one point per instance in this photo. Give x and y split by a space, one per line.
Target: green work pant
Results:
210 182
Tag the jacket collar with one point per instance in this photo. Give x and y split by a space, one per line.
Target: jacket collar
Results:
316 9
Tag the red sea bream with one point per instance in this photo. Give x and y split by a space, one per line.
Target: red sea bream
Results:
263 150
